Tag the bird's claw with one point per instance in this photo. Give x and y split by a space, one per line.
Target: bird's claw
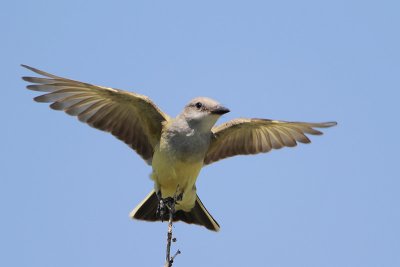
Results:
167 204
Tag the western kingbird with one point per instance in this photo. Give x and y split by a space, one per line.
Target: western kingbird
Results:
176 148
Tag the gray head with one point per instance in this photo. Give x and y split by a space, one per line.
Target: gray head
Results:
202 113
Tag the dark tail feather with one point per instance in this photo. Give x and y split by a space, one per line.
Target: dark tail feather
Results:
199 215
147 209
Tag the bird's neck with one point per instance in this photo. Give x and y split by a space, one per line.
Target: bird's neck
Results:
181 126
183 141
194 126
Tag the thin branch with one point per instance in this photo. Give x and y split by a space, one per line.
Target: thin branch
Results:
176 254
171 211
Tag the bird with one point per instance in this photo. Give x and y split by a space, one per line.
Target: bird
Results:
176 148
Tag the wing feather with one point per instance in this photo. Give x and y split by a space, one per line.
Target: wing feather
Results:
131 117
252 136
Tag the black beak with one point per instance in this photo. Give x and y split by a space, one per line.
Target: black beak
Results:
220 110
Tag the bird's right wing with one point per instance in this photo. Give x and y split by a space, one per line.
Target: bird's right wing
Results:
252 136
131 117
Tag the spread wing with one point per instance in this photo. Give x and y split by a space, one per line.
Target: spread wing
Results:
252 136
130 117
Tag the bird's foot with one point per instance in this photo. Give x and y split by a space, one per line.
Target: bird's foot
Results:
167 204
178 197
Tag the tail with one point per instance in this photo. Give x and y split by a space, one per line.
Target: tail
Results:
199 215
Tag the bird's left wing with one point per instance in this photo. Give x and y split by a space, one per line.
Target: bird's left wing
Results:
130 117
252 136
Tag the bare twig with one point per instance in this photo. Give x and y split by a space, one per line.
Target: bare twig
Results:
171 210
168 261
176 254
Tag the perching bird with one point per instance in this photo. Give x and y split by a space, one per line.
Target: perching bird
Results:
176 148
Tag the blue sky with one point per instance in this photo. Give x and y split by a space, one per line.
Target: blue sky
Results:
66 189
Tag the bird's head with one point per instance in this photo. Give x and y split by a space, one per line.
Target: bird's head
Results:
202 113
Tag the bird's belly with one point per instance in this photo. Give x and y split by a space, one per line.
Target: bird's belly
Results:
171 174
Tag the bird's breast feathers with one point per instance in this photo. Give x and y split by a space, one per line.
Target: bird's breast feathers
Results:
187 146
178 159
169 172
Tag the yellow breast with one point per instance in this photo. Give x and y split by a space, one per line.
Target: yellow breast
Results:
169 172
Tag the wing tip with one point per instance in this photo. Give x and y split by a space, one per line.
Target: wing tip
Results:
329 124
26 78
40 72
41 99
32 87
28 67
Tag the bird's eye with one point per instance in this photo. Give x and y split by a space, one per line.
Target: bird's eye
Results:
199 105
